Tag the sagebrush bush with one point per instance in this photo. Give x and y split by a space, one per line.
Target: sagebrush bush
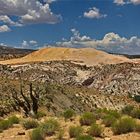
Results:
68 114
29 124
5 124
95 130
113 113
13 120
99 114
85 137
127 109
49 127
87 118
135 113
124 125
36 134
109 120
75 131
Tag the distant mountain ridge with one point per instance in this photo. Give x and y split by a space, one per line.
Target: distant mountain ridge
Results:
10 52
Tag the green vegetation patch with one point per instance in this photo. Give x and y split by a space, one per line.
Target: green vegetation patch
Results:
95 130
68 114
87 119
75 131
124 125
30 123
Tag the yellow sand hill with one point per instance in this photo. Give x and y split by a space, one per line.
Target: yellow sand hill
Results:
89 56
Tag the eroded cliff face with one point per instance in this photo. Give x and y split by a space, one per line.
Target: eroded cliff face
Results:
80 87
116 79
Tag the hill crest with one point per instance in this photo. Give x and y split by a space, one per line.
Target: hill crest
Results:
89 56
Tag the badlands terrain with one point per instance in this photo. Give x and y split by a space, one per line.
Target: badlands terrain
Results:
83 80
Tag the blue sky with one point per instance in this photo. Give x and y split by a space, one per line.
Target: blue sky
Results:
92 19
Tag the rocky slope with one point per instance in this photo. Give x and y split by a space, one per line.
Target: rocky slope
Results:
116 79
81 88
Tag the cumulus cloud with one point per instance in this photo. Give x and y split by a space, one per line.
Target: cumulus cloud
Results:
29 44
49 1
111 42
135 1
77 37
3 44
94 13
7 20
4 28
33 42
74 40
119 2
29 11
123 2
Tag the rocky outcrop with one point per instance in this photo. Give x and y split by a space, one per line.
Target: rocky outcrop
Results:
115 79
112 83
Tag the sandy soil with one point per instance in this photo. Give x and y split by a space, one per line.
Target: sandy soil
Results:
88 56
12 133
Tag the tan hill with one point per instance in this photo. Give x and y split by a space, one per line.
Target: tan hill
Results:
88 56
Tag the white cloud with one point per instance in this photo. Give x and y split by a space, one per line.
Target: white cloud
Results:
29 44
76 36
135 1
123 2
4 28
33 42
25 44
30 11
111 42
49 1
74 40
94 13
119 2
2 44
7 20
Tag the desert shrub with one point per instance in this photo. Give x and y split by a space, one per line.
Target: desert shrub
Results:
95 130
113 113
60 134
99 114
75 131
36 134
5 124
84 137
49 127
87 118
135 113
108 120
30 123
68 114
124 125
13 120
127 109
